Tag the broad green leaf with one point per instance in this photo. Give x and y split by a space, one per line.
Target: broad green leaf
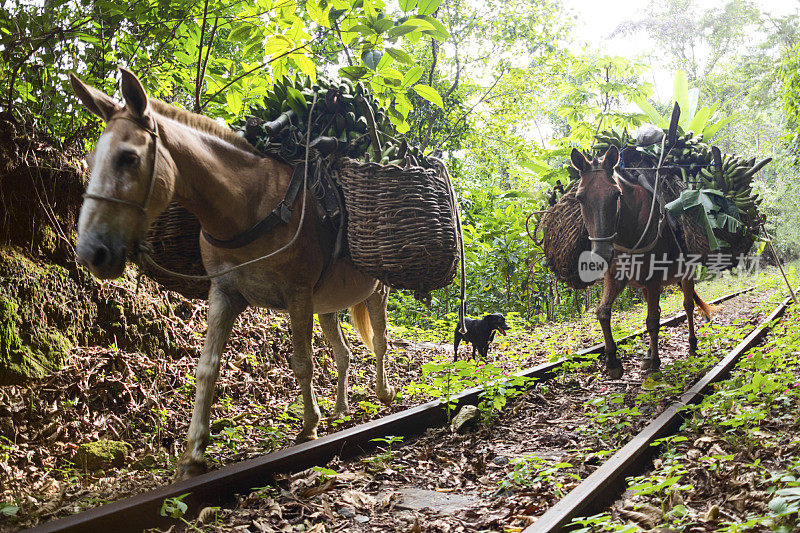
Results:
393 74
371 58
306 65
233 99
318 13
680 90
439 31
382 25
399 31
400 55
296 100
354 73
241 33
698 123
427 7
412 75
386 60
712 129
430 94
648 109
419 24
408 5
277 45
363 29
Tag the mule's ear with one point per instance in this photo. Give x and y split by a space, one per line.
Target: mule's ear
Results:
95 101
611 159
133 92
578 160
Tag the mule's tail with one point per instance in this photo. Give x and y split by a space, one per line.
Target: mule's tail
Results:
360 317
707 310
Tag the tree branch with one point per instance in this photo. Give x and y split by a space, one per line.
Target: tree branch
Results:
471 109
197 78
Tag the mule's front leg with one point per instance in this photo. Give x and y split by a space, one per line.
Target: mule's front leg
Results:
301 314
333 332
652 294
611 289
222 312
376 305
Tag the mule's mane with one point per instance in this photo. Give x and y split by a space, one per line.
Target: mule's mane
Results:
201 123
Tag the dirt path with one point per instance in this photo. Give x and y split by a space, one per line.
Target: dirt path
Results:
144 402
503 473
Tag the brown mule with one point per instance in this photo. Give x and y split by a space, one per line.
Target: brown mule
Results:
151 153
616 214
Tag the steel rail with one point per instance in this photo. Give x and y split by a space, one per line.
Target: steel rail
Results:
606 483
219 486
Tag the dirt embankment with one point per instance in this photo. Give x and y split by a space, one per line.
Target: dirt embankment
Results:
47 303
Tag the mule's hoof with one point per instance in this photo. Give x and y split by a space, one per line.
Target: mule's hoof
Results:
305 437
692 346
189 468
388 396
338 414
615 373
654 374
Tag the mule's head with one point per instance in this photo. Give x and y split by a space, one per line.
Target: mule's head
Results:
599 194
131 178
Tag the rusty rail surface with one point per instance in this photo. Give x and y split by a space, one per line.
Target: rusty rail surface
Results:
605 484
219 486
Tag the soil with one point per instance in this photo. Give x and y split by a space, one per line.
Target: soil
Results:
145 400
511 468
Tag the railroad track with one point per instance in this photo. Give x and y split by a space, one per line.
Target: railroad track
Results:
219 486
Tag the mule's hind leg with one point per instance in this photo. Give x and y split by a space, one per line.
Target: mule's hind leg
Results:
222 312
652 293
376 305
333 332
687 286
611 289
301 314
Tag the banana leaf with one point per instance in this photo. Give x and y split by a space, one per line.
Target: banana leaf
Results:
711 209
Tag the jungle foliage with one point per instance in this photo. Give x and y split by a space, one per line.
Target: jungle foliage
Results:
502 88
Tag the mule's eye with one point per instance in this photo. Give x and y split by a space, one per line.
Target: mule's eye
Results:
128 159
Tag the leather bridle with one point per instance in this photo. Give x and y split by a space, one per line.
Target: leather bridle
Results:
141 207
635 250
613 236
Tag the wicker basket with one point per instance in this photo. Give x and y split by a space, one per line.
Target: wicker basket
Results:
565 238
175 238
401 224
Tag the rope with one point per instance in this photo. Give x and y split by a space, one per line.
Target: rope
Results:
636 249
145 248
463 281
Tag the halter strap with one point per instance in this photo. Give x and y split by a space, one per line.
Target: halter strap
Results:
141 207
613 236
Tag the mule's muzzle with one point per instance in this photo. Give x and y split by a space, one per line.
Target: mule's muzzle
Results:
605 250
103 256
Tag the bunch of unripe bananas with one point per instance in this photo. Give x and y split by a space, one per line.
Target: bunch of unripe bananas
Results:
697 164
346 120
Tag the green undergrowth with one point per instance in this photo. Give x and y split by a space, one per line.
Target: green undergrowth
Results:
736 464
442 377
614 414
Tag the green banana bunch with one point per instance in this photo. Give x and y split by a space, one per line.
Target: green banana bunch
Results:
693 161
347 120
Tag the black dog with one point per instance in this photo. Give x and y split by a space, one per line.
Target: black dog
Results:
480 332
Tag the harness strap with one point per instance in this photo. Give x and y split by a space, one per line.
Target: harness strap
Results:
280 215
